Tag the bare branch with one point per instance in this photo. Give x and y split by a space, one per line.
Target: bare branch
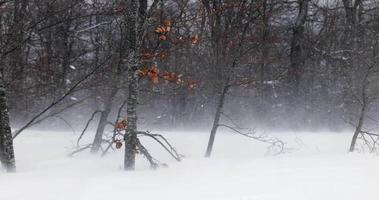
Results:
275 143
86 126
166 145
61 98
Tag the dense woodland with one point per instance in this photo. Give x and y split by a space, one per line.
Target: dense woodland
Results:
265 64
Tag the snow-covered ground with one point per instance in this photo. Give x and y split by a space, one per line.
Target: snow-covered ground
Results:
318 168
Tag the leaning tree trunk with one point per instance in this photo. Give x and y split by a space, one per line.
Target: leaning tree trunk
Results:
362 114
228 73
358 129
351 12
216 121
6 142
103 120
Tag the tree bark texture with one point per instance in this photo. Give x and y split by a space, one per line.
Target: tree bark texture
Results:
7 157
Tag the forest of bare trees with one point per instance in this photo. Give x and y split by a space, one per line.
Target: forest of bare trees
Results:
130 65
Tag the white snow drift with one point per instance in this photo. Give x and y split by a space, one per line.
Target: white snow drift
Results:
318 168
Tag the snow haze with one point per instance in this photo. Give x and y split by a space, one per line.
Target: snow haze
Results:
317 167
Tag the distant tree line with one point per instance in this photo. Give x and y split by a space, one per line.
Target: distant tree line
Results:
270 64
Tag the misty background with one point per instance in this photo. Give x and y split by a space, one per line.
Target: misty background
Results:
301 68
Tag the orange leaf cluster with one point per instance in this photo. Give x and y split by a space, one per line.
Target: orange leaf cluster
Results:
162 30
172 77
194 39
162 37
121 125
169 77
167 23
151 72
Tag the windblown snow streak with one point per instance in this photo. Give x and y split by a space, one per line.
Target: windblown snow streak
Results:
318 167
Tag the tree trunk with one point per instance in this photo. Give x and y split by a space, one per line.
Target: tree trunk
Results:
351 11
216 121
6 142
297 54
103 121
131 133
365 102
358 128
132 102
17 37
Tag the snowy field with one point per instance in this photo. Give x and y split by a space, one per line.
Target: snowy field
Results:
318 168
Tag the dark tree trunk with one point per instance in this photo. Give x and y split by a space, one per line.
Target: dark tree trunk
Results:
6 142
132 102
351 11
216 121
103 121
297 54
228 72
17 37
66 54
364 104
358 129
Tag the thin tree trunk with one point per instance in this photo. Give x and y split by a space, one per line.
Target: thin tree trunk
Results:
297 54
216 121
358 129
228 76
351 11
103 121
352 35
18 36
7 157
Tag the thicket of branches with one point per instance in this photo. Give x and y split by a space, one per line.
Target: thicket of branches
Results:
274 63
47 46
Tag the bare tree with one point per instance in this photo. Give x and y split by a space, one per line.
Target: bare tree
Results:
237 52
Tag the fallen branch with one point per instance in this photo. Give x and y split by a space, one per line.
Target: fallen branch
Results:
166 145
275 143
147 155
80 150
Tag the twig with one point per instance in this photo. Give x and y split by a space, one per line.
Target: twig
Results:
371 144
